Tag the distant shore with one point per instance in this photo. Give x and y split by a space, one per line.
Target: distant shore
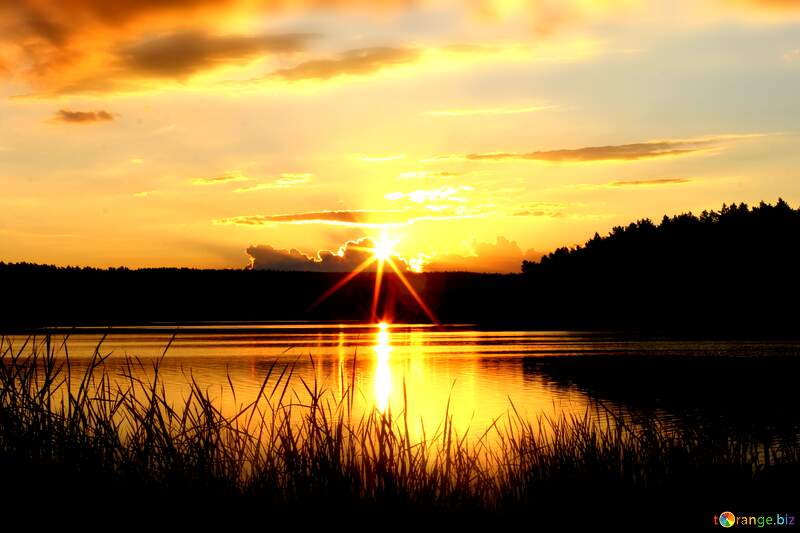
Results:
727 272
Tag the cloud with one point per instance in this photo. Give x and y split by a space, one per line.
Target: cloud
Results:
345 217
625 152
648 182
355 62
60 21
622 152
181 54
503 255
69 46
349 218
645 182
228 177
541 209
286 181
346 259
99 46
173 56
440 194
792 55
483 111
95 46
532 254
425 174
371 60
82 117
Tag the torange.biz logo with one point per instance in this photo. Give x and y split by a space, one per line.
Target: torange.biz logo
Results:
728 519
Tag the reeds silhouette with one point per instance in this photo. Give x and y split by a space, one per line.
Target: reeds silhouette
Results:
297 446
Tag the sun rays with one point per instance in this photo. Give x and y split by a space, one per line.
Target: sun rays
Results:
381 253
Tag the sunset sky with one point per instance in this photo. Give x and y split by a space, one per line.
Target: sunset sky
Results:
474 133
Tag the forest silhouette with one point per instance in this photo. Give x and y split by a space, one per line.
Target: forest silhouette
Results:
727 271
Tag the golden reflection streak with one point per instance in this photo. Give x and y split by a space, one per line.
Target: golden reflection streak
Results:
383 372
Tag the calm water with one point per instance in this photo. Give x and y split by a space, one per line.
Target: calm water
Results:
477 373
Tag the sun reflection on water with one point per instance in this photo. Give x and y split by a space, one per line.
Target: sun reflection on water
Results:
383 372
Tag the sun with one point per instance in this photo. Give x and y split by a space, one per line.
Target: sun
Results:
384 248
381 254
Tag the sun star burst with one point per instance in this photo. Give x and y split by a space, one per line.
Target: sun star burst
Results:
381 254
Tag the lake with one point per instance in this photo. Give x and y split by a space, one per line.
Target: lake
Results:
474 375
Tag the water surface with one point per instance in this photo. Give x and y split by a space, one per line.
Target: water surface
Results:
474 375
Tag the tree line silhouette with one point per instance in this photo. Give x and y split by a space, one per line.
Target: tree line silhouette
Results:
736 267
732 270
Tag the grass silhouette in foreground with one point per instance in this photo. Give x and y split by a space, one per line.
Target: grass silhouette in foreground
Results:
113 445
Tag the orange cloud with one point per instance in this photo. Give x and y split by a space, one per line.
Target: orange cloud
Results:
625 152
181 54
170 56
60 22
75 46
647 182
355 217
356 62
501 256
350 218
227 177
622 152
82 117
59 37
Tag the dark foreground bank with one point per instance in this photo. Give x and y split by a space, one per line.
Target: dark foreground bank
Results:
73 448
